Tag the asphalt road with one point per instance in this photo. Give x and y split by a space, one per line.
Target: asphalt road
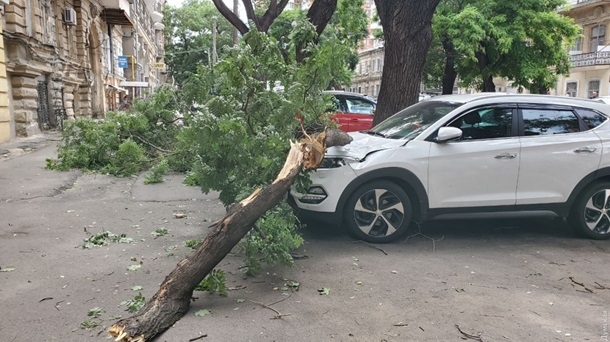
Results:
493 279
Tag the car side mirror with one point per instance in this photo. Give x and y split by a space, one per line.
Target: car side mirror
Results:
448 133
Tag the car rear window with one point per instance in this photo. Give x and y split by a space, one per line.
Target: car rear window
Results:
591 118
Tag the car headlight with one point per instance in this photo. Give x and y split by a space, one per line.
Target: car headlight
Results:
334 162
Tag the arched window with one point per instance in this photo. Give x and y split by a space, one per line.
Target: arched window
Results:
598 37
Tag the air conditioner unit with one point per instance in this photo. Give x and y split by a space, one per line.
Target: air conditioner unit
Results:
69 16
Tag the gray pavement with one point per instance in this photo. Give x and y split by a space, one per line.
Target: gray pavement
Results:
507 280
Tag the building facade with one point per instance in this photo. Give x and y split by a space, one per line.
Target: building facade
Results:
367 77
590 56
77 58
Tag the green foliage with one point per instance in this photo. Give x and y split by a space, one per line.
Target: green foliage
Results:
93 320
214 282
524 41
192 244
128 160
155 175
134 304
188 36
238 139
160 232
273 241
123 143
103 238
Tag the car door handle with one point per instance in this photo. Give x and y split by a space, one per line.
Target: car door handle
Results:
585 150
506 156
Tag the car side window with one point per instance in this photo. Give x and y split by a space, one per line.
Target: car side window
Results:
485 123
549 121
591 118
359 106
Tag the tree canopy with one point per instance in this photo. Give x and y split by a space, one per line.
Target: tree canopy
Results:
189 37
524 41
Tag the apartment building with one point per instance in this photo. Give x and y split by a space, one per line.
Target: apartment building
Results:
76 58
367 77
590 56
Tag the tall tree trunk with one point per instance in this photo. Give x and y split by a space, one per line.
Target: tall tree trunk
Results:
172 300
484 66
489 85
450 74
407 30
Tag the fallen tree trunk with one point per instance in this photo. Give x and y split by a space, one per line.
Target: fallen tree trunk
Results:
173 298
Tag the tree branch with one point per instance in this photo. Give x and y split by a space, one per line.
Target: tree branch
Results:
251 15
272 12
231 17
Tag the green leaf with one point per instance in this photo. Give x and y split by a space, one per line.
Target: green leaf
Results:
134 267
136 288
240 300
8 269
324 291
203 312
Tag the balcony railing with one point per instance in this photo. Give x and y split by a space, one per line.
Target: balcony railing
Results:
588 59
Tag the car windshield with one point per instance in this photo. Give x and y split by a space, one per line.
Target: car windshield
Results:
411 121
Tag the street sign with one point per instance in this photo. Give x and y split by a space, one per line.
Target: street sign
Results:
123 62
159 65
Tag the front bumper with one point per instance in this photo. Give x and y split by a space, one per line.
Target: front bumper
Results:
306 215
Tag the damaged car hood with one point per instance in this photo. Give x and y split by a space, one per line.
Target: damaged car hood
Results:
362 145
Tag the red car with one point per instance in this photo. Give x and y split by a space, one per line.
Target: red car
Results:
355 112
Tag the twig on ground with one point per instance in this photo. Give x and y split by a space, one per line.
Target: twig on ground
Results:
45 298
467 335
581 284
370 245
426 236
268 306
600 286
198 338
56 305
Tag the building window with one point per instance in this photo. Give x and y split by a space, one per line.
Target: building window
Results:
593 89
598 37
577 46
571 89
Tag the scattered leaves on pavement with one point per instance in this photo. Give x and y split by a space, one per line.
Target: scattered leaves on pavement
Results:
160 232
203 312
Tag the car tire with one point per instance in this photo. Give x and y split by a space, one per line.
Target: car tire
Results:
590 214
378 212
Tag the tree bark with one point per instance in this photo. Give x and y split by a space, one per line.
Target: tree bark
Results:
173 298
407 30
488 84
319 14
450 73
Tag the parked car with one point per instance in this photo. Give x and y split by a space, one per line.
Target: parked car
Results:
467 154
355 112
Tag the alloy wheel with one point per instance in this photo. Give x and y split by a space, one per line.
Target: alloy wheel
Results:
379 212
597 217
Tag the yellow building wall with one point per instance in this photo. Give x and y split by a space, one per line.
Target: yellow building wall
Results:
5 114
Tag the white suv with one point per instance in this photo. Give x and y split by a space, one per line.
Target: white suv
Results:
468 154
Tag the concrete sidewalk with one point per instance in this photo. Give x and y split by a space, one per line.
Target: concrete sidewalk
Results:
22 145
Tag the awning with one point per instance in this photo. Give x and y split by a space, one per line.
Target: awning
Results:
133 84
116 88
116 16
